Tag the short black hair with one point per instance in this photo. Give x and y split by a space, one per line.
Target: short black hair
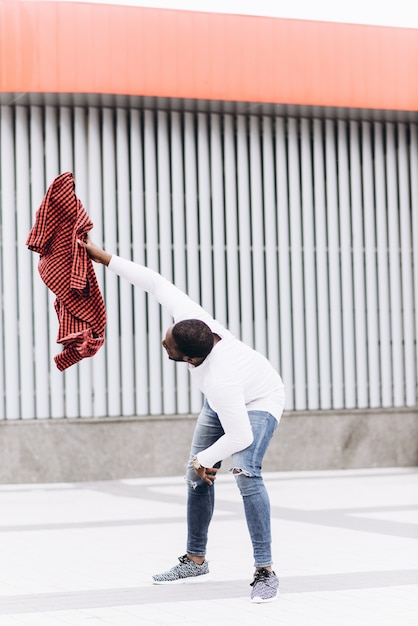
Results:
193 338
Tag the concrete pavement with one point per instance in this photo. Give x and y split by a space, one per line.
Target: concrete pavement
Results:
345 546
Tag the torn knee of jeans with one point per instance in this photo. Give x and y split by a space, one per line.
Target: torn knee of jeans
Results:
191 483
239 470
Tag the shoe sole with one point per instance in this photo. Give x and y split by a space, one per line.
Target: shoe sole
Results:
258 600
191 580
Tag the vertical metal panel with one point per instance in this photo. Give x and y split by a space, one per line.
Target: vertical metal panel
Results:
166 258
301 234
2 353
95 209
346 267
231 225
296 261
81 177
179 240
413 160
371 309
42 299
359 332
270 237
244 232
191 225
205 213
334 266
285 300
142 374
109 182
406 269
218 217
382 267
151 229
308 232
24 267
124 241
394 267
257 237
8 266
321 264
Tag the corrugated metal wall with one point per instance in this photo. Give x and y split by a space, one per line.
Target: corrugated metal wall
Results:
301 235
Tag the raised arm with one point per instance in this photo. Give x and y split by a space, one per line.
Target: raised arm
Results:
173 299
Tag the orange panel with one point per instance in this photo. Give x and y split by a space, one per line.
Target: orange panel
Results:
51 47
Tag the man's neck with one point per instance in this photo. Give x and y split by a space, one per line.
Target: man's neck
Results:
196 361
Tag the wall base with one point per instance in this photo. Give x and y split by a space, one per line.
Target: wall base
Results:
71 450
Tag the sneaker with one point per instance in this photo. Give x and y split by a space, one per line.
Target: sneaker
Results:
187 571
265 586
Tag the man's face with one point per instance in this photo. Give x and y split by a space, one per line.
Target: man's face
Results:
170 347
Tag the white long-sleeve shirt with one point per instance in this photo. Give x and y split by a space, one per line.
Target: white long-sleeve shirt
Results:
234 378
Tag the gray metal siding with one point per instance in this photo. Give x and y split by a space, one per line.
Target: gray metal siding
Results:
301 235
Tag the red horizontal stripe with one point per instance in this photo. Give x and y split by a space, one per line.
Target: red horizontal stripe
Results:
52 47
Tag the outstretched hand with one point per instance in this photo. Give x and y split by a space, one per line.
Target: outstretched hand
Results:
95 253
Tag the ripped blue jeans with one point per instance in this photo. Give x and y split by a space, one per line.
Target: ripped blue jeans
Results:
246 466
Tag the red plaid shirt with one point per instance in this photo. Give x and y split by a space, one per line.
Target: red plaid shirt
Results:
66 269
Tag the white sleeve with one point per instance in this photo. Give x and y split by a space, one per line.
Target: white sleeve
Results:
173 299
228 402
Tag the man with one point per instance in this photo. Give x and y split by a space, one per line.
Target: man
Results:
244 402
